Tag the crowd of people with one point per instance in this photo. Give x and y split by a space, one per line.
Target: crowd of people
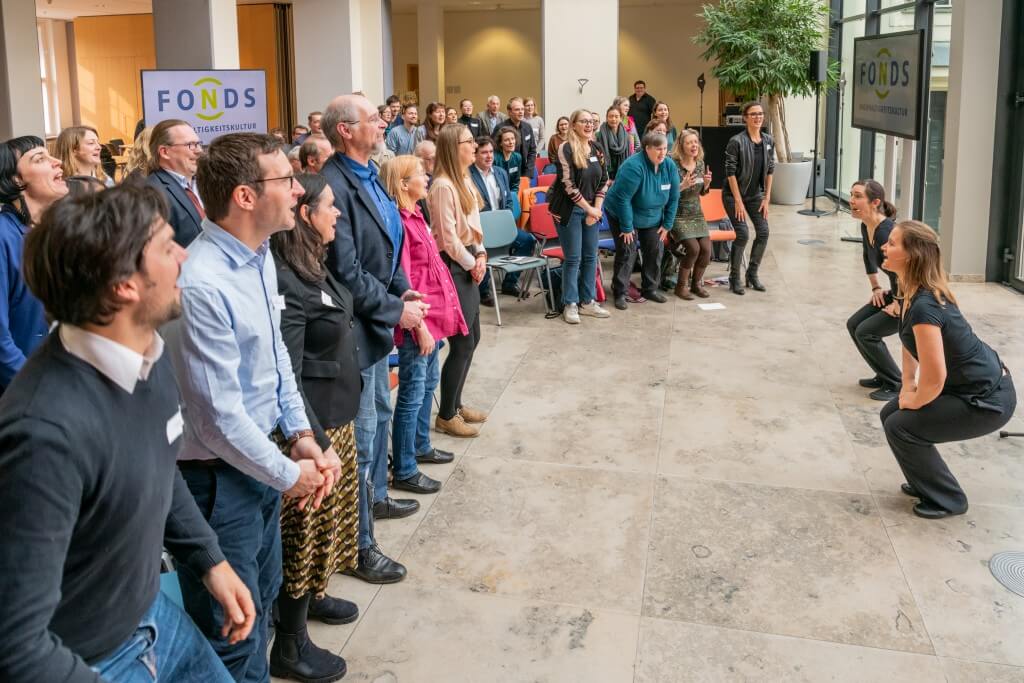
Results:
197 359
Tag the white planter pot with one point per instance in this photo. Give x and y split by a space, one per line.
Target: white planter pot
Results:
790 182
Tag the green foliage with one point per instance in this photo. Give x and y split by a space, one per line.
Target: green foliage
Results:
762 47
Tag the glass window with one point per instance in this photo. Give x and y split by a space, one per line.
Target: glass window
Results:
849 169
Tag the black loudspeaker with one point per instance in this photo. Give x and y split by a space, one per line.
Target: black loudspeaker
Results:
817 72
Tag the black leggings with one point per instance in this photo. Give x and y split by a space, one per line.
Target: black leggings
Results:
698 253
460 346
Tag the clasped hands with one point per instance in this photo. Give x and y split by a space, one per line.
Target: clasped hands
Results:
415 309
318 472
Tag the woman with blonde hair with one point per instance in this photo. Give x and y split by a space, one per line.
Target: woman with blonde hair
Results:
575 200
622 104
955 387
78 149
689 239
454 204
406 180
139 155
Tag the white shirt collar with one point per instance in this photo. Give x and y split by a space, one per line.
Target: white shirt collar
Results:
121 365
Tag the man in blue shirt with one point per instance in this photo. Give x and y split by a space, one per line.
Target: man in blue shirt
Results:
237 385
365 258
402 139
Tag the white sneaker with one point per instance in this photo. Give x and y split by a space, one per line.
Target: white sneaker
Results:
571 314
594 309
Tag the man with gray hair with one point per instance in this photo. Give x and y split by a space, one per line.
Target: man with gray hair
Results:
365 258
492 118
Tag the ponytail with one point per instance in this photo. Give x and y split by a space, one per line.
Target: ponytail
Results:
873 190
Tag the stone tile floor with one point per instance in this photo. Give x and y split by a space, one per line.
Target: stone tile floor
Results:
681 495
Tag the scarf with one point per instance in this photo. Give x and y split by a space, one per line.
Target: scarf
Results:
614 144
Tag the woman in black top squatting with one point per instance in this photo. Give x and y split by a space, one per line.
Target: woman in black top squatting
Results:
954 385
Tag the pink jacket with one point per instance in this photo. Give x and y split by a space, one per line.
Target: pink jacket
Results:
428 275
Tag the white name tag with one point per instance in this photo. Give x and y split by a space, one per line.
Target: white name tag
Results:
175 426
593 158
525 138
327 300
667 186
278 301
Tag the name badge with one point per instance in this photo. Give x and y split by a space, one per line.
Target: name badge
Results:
175 426
593 159
278 301
326 300
667 186
525 138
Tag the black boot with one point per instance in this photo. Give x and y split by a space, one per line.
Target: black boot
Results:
332 610
293 655
735 257
753 282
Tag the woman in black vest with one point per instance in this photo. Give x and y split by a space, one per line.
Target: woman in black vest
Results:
879 317
316 324
954 385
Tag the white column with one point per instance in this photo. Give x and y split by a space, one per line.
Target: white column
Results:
387 63
328 52
567 57
908 162
970 143
21 94
371 23
430 41
195 34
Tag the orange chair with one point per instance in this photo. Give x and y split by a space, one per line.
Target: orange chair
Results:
714 211
527 202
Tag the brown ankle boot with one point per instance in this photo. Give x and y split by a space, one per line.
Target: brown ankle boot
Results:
698 284
683 288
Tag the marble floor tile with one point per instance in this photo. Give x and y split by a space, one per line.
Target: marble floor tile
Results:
415 635
967 612
563 534
960 671
786 561
678 651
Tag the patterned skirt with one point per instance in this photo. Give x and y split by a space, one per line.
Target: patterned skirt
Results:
317 543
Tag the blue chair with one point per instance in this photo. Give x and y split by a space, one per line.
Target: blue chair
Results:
499 232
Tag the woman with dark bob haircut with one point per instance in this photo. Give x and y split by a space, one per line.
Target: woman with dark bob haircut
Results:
316 325
30 181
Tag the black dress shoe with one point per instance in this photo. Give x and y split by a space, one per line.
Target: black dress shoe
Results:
296 658
755 283
655 296
620 302
332 610
870 383
928 511
376 567
511 291
417 483
435 457
487 301
884 394
390 508
909 490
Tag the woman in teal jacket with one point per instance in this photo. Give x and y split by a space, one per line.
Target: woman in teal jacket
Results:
641 207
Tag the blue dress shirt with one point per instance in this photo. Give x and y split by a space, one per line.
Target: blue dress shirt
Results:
233 368
22 319
386 206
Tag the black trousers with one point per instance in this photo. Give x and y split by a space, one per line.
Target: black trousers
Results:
649 244
460 346
752 205
912 435
868 327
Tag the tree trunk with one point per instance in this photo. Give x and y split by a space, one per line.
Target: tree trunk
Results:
777 125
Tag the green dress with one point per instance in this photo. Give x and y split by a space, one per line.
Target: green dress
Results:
690 223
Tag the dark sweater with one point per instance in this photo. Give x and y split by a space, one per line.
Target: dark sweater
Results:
89 492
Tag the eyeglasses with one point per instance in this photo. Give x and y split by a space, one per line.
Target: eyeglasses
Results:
193 146
471 141
757 115
372 120
289 178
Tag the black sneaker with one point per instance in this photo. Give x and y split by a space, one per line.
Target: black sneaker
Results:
620 302
884 394
870 383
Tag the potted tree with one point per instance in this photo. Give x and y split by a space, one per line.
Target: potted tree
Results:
761 50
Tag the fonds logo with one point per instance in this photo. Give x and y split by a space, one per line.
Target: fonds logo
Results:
883 73
207 98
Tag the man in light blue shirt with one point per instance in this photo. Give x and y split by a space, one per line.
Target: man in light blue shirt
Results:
404 138
237 385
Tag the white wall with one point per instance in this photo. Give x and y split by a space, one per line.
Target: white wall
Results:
328 52
21 97
579 45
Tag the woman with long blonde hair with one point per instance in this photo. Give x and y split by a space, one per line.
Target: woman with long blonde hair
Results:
139 154
575 200
689 240
78 149
454 204
955 387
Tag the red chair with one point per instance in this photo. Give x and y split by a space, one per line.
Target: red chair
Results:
546 179
540 165
542 226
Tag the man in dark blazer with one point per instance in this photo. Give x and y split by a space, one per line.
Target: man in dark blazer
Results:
492 182
364 257
174 151
527 144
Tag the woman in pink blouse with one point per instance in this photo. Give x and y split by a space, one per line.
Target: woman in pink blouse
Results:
418 366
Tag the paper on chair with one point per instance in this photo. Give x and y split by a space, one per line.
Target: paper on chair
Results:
711 307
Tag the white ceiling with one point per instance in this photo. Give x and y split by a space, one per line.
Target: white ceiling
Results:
69 9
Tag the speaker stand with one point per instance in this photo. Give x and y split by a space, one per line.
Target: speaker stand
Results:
814 210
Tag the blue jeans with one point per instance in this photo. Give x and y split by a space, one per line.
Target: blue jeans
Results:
246 516
522 245
372 444
410 433
166 646
579 270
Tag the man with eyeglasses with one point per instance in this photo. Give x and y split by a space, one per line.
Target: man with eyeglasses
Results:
365 257
238 392
174 151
